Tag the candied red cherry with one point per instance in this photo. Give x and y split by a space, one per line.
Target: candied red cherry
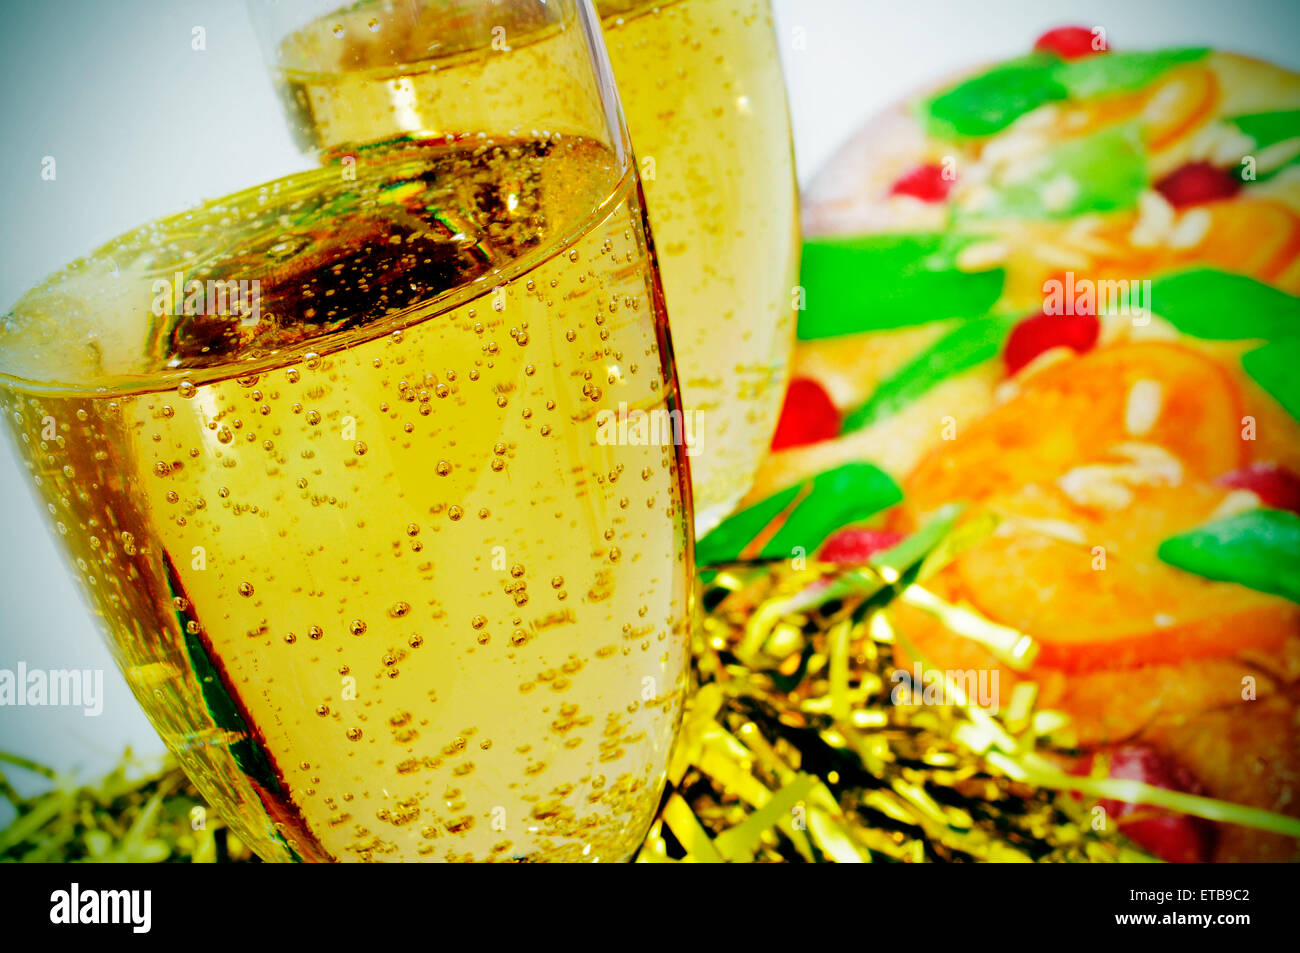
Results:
1042 332
926 182
1197 183
1068 42
1175 838
852 546
1276 487
808 416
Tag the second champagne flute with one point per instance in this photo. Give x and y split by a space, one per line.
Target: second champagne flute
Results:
701 84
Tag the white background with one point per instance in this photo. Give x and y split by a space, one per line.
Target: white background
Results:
81 78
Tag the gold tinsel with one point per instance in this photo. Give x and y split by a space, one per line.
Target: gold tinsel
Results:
793 748
801 743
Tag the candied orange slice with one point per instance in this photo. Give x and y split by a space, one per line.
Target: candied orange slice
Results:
1077 412
1256 238
1087 585
1168 109
1181 102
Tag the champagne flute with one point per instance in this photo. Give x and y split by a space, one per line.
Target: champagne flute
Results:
701 85
326 454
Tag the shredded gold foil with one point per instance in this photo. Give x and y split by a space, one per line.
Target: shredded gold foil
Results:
793 749
796 745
